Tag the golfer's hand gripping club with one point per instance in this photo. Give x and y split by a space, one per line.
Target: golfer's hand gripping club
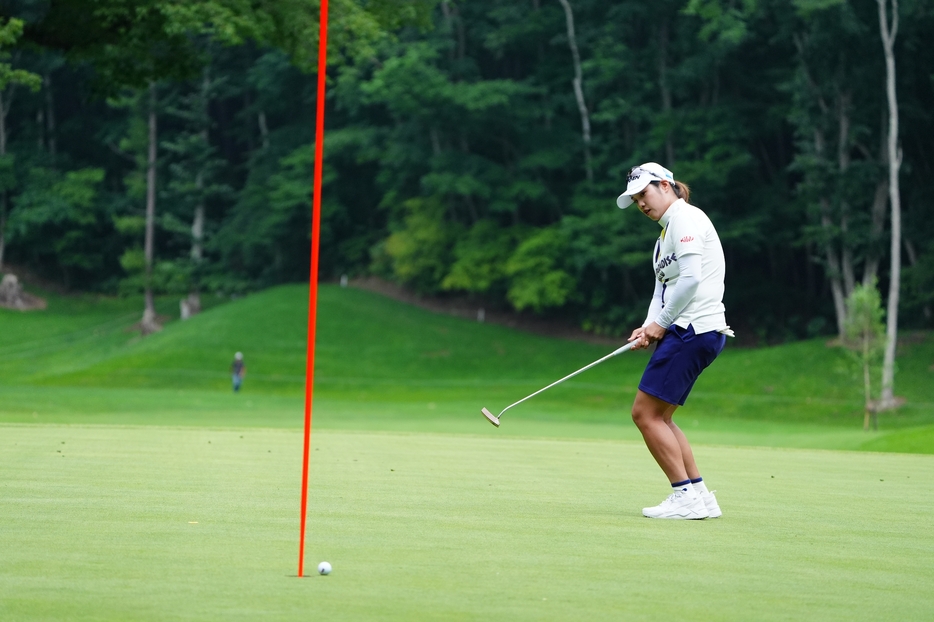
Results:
495 419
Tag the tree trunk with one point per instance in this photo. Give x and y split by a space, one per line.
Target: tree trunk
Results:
456 24
197 224
148 324
461 33
871 267
843 165
49 114
4 108
5 102
839 260
40 130
263 129
578 84
197 251
889 31
435 141
834 272
3 200
913 260
197 227
867 383
665 90
833 275
449 20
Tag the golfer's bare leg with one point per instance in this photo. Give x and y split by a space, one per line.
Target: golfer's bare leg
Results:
687 455
649 414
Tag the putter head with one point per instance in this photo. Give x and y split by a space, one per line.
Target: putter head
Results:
490 416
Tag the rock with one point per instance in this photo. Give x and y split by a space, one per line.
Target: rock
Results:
149 324
190 306
10 289
12 295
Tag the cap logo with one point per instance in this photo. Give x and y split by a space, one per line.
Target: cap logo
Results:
638 171
635 174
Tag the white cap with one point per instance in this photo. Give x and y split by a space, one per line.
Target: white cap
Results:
239 356
640 177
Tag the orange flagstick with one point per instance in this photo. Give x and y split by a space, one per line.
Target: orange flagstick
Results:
313 275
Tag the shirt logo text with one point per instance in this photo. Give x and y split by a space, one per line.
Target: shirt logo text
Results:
663 263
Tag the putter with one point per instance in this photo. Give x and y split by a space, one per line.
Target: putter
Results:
494 419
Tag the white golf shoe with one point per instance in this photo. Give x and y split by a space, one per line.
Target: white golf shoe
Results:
681 504
710 501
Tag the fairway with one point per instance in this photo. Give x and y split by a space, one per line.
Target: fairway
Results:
155 523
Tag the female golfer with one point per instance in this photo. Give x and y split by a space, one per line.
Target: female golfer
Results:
686 318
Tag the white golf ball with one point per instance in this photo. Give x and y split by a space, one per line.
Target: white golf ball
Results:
324 568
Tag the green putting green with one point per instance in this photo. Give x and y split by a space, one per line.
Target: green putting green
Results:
156 523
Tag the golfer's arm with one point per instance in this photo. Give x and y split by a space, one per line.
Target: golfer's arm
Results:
680 295
655 307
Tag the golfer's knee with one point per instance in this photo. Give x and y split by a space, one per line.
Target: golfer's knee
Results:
641 417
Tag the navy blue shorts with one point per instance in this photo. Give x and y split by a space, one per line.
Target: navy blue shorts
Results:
678 360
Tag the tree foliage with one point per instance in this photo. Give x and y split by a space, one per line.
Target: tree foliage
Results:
455 159
865 338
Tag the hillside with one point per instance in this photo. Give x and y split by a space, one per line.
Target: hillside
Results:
384 364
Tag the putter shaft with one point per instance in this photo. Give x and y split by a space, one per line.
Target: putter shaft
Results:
490 416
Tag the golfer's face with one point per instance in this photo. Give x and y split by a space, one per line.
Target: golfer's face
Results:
651 202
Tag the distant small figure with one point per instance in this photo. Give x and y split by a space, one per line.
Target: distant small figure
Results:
237 371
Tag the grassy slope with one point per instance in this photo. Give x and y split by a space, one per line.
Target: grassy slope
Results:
384 365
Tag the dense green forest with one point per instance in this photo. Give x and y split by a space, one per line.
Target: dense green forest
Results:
473 148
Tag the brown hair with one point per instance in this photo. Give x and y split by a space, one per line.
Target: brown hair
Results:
681 190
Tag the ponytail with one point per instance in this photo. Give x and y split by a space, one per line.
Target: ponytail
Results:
682 191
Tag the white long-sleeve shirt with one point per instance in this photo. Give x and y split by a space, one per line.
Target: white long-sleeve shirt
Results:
689 272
